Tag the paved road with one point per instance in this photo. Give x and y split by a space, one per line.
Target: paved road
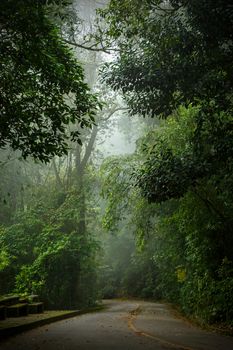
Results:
131 325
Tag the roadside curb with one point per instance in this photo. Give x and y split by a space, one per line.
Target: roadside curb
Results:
10 331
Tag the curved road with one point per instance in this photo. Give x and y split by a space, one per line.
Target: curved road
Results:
132 325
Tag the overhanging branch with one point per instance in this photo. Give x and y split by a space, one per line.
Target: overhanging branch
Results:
90 48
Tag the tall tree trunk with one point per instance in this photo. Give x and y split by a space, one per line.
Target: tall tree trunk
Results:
57 176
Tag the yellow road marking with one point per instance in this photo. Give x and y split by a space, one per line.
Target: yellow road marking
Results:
132 318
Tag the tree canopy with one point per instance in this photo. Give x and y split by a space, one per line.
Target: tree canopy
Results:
155 223
174 53
42 84
170 52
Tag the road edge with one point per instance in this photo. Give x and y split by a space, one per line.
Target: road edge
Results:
11 331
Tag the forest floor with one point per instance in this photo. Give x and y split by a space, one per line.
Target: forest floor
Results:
124 325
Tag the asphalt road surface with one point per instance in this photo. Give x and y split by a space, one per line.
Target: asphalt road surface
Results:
132 325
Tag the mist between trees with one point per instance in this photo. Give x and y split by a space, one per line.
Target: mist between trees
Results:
116 139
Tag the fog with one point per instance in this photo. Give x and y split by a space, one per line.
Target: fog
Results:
46 206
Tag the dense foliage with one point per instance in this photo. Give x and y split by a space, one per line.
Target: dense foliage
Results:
184 245
46 248
169 54
166 209
42 84
175 60
43 251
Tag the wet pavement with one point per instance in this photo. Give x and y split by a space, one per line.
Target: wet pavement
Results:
133 325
